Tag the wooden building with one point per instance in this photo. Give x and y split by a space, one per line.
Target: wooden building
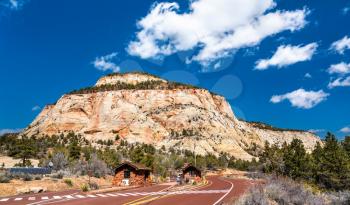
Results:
131 174
191 173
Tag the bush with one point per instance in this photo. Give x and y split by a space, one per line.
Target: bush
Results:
27 177
93 186
281 191
97 166
68 182
58 175
38 177
255 196
85 188
5 178
338 198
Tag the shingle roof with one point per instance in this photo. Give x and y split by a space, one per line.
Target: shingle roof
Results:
187 165
137 166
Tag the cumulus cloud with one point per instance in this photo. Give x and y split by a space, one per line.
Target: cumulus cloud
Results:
214 28
339 82
341 45
345 129
340 68
287 55
307 75
301 98
105 63
5 131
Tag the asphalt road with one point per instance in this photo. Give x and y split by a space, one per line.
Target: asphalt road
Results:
218 190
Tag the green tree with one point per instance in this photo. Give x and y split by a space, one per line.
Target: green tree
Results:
333 166
346 145
272 159
297 163
74 150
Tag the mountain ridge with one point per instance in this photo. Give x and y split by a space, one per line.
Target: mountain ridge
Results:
147 109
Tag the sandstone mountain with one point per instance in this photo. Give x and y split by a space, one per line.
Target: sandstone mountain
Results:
144 108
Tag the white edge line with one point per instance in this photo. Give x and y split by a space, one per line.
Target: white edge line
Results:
217 202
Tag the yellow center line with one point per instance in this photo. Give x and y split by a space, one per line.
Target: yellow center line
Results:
152 198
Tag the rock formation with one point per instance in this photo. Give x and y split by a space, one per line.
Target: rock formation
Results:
143 108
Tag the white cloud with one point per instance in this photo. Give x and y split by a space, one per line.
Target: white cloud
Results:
345 10
36 107
105 63
345 129
5 131
341 45
340 68
316 130
307 75
216 28
339 82
13 4
301 98
287 55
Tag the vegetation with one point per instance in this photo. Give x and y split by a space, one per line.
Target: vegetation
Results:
286 191
265 126
328 166
68 182
146 85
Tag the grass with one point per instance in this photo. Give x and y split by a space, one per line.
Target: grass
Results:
69 182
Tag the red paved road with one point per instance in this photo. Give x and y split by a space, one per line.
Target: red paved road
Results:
217 191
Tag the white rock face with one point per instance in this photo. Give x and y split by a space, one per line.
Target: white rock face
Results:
128 78
178 118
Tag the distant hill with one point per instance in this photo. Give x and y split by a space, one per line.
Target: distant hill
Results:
139 107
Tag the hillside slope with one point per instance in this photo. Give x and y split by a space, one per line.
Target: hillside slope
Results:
144 108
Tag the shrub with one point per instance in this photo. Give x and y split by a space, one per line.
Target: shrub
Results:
5 178
59 161
68 182
85 188
97 166
58 175
27 177
93 186
255 195
38 177
281 191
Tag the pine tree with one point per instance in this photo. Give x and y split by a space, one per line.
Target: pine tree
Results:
346 145
272 159
296 161
333 166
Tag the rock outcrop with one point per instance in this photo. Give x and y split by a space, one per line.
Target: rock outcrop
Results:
143 108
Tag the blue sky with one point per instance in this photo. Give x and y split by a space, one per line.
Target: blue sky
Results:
285 63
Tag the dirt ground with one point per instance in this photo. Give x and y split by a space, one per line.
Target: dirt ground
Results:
10 162
17 186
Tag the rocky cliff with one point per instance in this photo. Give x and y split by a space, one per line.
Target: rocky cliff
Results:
143 108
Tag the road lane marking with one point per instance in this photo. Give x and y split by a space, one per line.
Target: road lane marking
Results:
68 197
57 197
101 195
44 198
5 199
111 195
80 196
145 197
221 198
31 198
91 196
18 199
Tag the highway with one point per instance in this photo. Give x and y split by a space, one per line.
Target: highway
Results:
216 191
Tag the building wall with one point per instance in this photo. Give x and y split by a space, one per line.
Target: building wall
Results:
136 178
